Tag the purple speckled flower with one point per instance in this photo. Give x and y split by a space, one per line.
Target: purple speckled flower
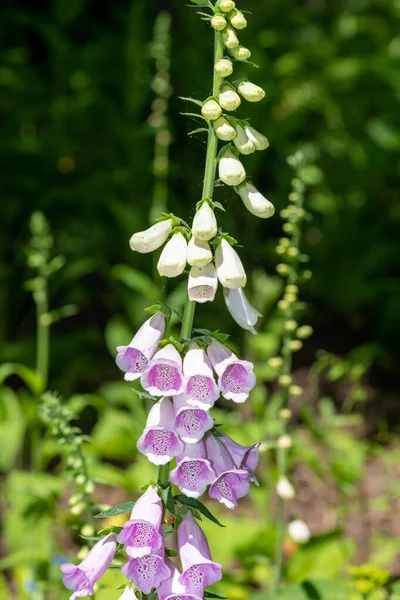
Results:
198 569
81 579
231 483
235 377
244 457
158 441
163 375
201 389
133 359
191 422
141 535
193 472
147 572
171 588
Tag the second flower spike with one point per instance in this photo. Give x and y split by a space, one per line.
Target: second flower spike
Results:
172 261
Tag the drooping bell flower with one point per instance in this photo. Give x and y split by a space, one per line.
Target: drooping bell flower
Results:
134 358
152 238
159 442
172 261
193 472
259 140
242 142
228 98
171 588
141 535
202 283
163 375
235 377
204 226
198 569
237 19
211 110
241 310
250 91
191 422
254 201
224 130
241 53
230 169
147 572
198 252
231 483
81 579
230 270
201 389
229 37
244 457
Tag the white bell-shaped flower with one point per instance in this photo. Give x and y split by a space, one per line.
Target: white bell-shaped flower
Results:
229 37
254 201
230 270
218 22
228 98
226 5
211 110
204 226
224 130
244 313
202 283
198 253
250 91
242 142
223 67
259 140
230 169
172 261
237 19
284 489
152 238
240 53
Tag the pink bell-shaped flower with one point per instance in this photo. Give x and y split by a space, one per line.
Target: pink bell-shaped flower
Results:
191 422
201 389
158 441
163 376
193 472
235 377
244 457
171 588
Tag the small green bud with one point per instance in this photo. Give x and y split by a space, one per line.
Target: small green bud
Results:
77 509
307 274
290 298
223 67
75 499
280 249
218 22
285 413
284 213
211 110
283 305
237 19
285 380
293 197
287 227
282 269
293 252
80 479
291 289
284 242
89 487
291 325
226 5
240 53
304 332
295 345
275 362
295 390
87 530
230 38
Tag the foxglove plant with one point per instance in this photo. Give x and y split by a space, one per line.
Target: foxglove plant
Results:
184 378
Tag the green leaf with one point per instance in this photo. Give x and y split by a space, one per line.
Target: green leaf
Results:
114 511
211 595
170 553
196 115
199 130
28 376
12 427
167 497
168 528
219 206
198 102
144 395
193 503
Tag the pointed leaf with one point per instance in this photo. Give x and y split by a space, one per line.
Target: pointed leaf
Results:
193 503
114 511
198 102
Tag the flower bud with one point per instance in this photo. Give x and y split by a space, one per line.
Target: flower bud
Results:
304 332
290 325
230 270
202 283
284 489
223 67
285 442
198 253
275 362
241 310
226 5
237 19
211 110
218 22
230 169
204 226
230 38
228 98
242 142
282 269
224 130
250 91
285 413
299 531
295 390
172 261
152 238
285 380
295 345
259 140
254 201
240 53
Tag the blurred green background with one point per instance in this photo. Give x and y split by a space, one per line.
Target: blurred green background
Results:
78 81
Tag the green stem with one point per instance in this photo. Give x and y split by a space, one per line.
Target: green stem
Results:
43 335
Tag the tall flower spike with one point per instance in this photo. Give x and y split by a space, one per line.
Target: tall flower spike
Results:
201 389
172 261
171 588
198 569
81 579
191 422
202 283
163 376
230 270
254 201
244 313
235 377
159 442
147 572
152 238
141 534
231 482
244 457
231 171
133 359
193 472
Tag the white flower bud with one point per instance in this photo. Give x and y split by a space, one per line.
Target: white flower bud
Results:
211 110
229 38
223 67
226 5
299 531
172 261
230 270
285 442
241 310
240 53
218 22
259 140
202 283
242 142
250 91
198 253
204 226
255 202
284 489
152 238
228 98
237 19
224 130
230 169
